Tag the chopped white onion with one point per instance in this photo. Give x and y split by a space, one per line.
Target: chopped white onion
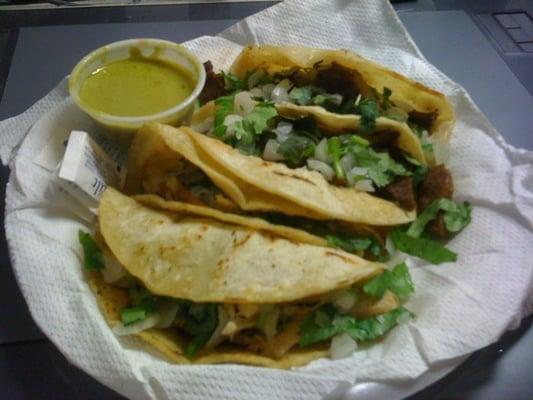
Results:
136 327
281 92
113 271
321 151
342 346
347 162
284 128
345 299
283 131
232 119
441 151
398 114
326 171
364 185
256 92
335 99
271 322
267 90
354 173
424 137
396 258
167 310
243 103
270 153
230 122
204 126
254 79
358 99
389 246
217 336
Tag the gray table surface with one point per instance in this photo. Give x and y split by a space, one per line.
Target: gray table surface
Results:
455 45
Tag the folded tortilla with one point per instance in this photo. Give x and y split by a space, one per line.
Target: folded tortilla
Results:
195 253
252 183
406 93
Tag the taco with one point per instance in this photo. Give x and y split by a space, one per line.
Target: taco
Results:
203 286
356 123
162 157
326 84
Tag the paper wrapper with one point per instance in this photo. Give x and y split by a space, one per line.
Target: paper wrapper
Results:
459 307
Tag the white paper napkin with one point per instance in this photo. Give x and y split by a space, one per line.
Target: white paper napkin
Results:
460 307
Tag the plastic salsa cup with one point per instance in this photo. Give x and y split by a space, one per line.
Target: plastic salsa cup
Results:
154 50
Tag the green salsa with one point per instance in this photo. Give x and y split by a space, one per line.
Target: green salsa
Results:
136 87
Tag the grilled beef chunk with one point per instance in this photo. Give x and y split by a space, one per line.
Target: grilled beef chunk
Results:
338 79
402 192
382 139
425 120
437 184
214 85
437 227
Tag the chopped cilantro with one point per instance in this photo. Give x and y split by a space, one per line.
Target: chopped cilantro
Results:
381 167
223 108
426 249
397 281
250 149
92 255
335 152
258 118
301 95
296 149
355 139
200 321
244 132
360 330
456 216
136 313
195 344
420 171
352 244
368 109
427 147
233 82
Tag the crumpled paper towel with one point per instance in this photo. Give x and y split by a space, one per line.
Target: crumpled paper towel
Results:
460 307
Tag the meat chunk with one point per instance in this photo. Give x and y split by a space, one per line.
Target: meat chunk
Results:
339 79
402 192
437 184
382 139
437 227
425 120
214 85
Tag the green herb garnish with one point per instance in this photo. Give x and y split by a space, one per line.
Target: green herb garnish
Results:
92 255
353 244
397 281
456 216
361 330
296 149
426 249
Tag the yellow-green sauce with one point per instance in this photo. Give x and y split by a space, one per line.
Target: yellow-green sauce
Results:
136 87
